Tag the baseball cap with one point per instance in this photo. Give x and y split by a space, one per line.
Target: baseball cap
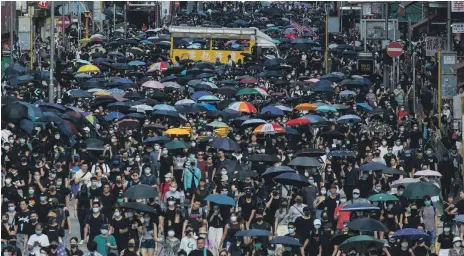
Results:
456 239
356 191
317 222
168 175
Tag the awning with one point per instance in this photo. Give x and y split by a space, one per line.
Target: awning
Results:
402 7
424 21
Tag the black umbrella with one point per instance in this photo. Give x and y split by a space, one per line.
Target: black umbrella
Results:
389 170
263 158
225 144
292 179
49 119
305 161
274 171
140 191
373 166
367 225
341 153
14 111
139 207
95 144
313 152
245 174
285 240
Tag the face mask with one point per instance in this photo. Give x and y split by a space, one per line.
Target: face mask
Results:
22 141
171 203
95 209
356 196
233 218
137 159
258 246
428 152
171 233
147 171
6 147
94 184
165 152
42 198
120 200
343 200
311 182
104 231
11 141
31 191
317 226
8 181
428 203
401 129
378 188
38 232
117 214
384 143
323 192
172 189
446 229
223 173
457 244
157 147
11 208
57 136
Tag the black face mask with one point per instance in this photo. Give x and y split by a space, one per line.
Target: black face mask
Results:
259 218
54 246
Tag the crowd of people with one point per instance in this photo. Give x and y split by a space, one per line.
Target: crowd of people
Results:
304 163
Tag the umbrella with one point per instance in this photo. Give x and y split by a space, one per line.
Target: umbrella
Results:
297 122
225 144
347 93
365 106
410 233
199 94
285 240
176 145
341 153
272 110
88 69
253 233
220 199
251 91
153 85
292 179
269 129
313 152
305 161
263 158
177 131
140 191
27 125
164 107
428 173
389 170
382 197
405 182
359 207
367 225
156 139
361 243
274 171
242 106
253 122
94 144
420 189
209 98
142 108
49 119
332 135
184 102
349 119
306 107
325 109
136 63
217 124
77 93
373 166
139 206
242 175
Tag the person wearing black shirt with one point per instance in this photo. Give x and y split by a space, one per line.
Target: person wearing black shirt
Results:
22 225
166 163
260 224
446 168
445 239
201 249
107 200
94 221
296 250
74 250
94 190
403 249
420 248
120 227
304 223
53 230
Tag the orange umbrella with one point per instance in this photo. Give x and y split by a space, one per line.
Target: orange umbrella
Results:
306 106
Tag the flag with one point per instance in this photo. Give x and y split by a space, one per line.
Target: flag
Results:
61 251
301 29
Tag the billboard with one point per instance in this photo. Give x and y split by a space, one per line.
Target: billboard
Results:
374 29
433 44
448 79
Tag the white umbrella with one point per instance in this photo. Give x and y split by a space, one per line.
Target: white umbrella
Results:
142 108
404 182
332 46
184 102
427 173
172 85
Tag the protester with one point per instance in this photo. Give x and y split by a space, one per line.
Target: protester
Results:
152 154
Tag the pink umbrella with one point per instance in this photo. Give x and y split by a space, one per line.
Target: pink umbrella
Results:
153 85
313 80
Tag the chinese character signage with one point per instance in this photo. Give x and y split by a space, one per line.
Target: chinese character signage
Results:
457 6
458 28
433 44
448 79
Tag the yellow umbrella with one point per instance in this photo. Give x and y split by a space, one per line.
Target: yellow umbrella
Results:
177 131
84 40
88 69
223 131
101 93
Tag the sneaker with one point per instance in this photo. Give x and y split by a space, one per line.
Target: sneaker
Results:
81 242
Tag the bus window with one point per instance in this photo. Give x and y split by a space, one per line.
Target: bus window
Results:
230 45
191 43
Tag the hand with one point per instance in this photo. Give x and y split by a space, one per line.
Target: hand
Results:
86 240
108 244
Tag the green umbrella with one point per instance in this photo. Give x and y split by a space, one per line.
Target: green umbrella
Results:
251 91
361 243
218 124
176 145
420 189
382 197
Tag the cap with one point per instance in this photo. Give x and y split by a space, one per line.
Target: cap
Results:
104 226
171 198
456 239
307 208
356 191
202 230
317 222
168 175
333 186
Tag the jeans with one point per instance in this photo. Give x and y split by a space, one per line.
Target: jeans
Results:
81 215
433 236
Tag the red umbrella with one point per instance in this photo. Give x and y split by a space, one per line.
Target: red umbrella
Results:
249 81
269 128
290 36
298 121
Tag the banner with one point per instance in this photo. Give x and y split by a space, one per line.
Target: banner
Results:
375 29
448 79
457 6
458 28
365 67
433 44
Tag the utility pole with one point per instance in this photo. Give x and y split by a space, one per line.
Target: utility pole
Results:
448 27
12 23
386 67
413 81
51 87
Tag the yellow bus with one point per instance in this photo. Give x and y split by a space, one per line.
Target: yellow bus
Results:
211 44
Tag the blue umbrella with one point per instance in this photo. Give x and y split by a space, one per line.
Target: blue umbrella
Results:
146 42
27 125
25 79
325 109
156 139
209 107
136 63
33 112
253 232
220 199
83 62
241 22
17 68
135 115
82 75
274 171
291 131
164 107
359 207
77 93
52 105
273 110
113 115
120 80
341 153
225 144
347 93
285 240
49 119
115 53
410 233
331 77
168 78
365 106
373 166
199 94
348 119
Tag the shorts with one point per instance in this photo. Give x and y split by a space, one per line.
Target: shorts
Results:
148 244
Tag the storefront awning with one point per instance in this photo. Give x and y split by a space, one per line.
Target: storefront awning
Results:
402 7
424 21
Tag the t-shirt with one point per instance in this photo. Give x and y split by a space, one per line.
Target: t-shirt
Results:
446 241
95 223
342 216
42 240
198 252
101 241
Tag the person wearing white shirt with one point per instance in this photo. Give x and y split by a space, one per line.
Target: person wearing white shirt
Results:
398 147
37 240
188 242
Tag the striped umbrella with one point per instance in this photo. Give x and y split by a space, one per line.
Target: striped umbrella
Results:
269 129
242 106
